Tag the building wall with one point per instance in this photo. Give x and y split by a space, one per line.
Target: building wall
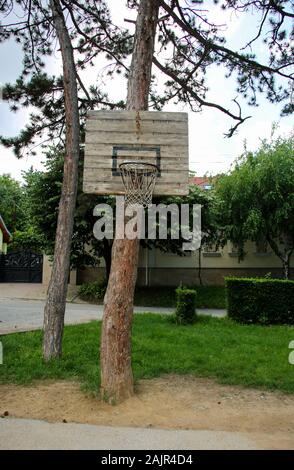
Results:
47 268
157 268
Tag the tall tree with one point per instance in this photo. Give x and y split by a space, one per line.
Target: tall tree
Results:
57 289
42 193
192 43
257 200
40 24
115 357
189 44
12 203
195 47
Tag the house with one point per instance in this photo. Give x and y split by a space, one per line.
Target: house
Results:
204 182
5 236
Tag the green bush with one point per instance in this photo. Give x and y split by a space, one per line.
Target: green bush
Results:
263 301
92 290
185 306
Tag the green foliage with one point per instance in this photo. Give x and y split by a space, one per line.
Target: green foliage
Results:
12 203
195 196
248 355
264 301
92 290
44 93
211 297
256 200
193 48
186 306
165 296
43 191
26 240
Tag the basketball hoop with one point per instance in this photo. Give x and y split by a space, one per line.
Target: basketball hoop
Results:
139 180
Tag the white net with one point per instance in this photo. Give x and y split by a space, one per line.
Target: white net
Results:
139 180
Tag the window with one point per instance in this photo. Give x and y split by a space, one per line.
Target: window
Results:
211 250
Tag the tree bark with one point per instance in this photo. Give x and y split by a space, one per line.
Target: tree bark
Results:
286 265
115 356
200 266
284 256
57 290
107 257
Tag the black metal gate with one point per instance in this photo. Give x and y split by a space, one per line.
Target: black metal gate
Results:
21 266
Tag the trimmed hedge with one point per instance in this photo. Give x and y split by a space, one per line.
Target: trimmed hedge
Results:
186 305
92 290
260 301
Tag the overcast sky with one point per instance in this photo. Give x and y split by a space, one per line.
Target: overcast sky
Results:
209 151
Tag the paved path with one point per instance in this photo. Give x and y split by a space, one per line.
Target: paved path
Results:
26 434
25 315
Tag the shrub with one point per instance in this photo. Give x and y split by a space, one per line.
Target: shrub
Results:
92 290
263 301
185 306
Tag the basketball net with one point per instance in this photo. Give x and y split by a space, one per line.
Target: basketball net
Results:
139 179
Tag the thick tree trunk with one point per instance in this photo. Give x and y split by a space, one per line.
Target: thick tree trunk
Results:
57 290
107 257
200 266
115 357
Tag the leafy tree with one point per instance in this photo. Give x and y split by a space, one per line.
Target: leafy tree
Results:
257 199
41 24
209 227
43 190
27 240
12 203
42 193
190 44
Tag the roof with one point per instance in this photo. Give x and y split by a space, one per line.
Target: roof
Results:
6 234
203 182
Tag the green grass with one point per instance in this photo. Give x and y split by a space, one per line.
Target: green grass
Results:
165 296
252 356
207 296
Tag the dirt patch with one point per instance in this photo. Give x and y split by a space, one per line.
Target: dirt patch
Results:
170 402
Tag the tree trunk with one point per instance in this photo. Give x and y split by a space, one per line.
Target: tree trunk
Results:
200 266
107 257
57 290
284 256
115 357
286 266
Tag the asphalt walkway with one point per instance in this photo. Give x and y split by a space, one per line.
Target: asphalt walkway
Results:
27 315
27 434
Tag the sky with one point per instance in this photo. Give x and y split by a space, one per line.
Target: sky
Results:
209 151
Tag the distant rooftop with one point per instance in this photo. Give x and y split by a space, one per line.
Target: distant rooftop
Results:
202 181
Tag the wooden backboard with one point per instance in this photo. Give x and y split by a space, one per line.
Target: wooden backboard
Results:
113 137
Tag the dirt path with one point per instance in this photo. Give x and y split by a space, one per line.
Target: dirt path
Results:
170 402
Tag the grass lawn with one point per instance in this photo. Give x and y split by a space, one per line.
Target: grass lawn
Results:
254 356
207 296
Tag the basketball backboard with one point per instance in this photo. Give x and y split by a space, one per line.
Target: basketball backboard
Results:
114 137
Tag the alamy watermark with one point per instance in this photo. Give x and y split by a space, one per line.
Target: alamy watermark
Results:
158 221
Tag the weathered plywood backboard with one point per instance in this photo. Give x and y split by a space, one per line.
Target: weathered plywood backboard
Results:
114 137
